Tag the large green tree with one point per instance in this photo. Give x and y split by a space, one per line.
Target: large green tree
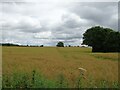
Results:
112 42
101 39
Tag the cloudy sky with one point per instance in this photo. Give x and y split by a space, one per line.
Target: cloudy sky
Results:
47 22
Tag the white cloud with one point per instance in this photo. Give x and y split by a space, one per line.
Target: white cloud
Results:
43 35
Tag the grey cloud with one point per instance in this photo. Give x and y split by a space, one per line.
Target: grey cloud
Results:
69 35
31 23
97 12
21 23
70 22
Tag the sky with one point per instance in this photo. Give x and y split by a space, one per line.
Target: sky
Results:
47 22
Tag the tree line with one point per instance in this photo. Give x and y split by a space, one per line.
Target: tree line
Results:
11 44
8 44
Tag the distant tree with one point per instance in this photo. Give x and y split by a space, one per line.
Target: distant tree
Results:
69 45
101 39
41 45
60 44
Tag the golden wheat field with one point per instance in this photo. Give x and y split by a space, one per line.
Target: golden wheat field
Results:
52 61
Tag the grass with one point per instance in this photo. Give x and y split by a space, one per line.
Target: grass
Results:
36 80
57 64
106 56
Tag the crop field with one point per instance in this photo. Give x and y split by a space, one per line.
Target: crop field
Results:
59 64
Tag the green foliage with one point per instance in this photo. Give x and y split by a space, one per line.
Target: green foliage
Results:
0 81
60 44
103 84
116 85
112 42
102 39
61 82
36 80
79 82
